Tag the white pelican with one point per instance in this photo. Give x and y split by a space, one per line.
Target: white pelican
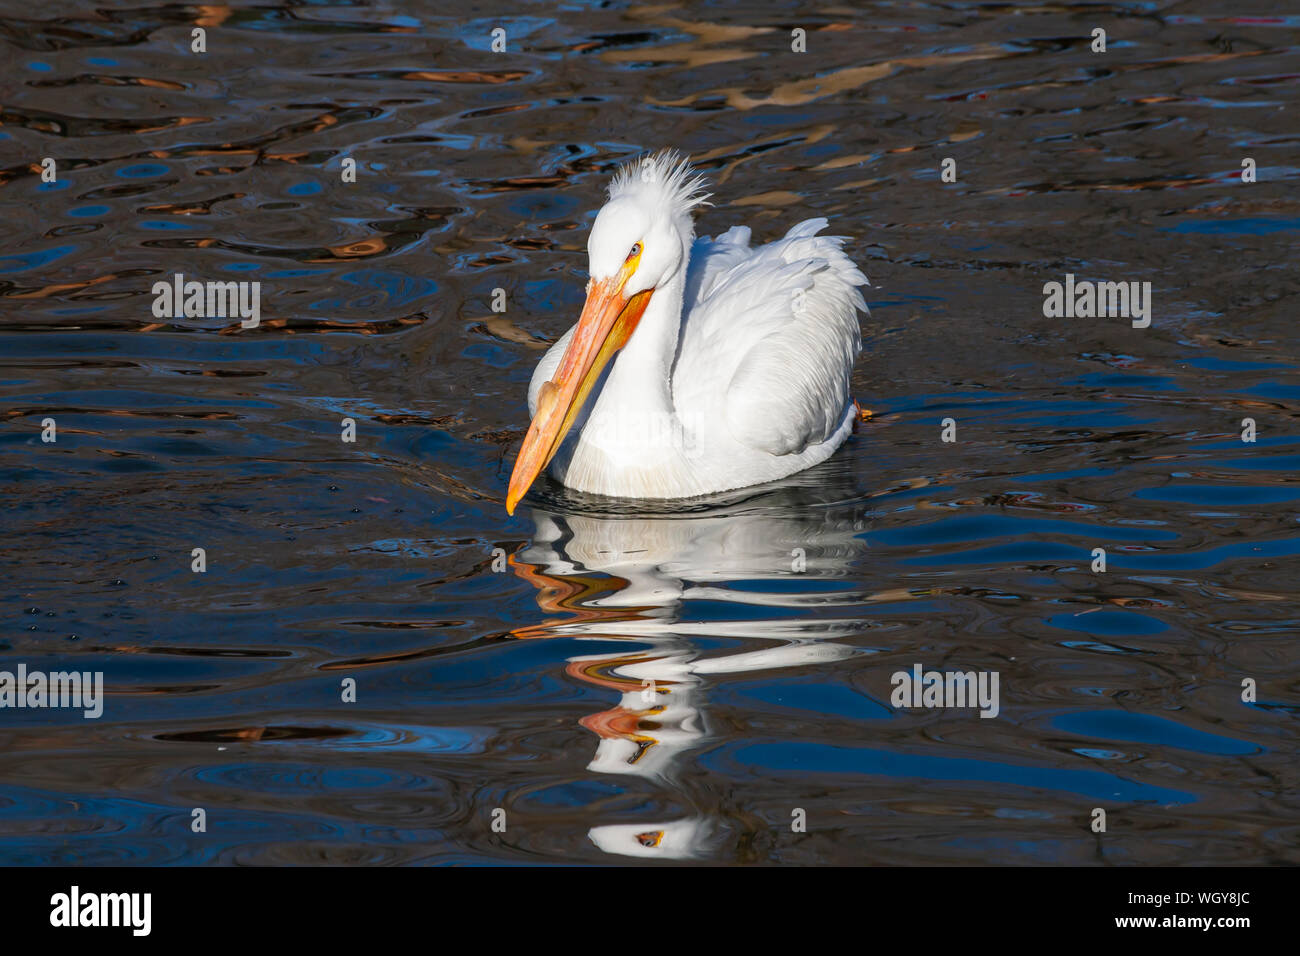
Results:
734 363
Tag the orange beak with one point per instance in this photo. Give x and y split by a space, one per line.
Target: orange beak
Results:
608 320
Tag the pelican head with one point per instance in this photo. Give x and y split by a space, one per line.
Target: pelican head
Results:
639 242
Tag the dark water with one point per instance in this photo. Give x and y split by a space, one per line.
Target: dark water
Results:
522 689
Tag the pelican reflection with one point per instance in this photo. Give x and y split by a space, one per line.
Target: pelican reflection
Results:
656 582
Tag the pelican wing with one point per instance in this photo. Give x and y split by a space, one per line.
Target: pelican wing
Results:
771 334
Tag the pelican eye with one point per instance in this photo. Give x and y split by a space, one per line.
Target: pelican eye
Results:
635 251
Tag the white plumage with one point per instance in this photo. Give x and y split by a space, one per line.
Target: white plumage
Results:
737 372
